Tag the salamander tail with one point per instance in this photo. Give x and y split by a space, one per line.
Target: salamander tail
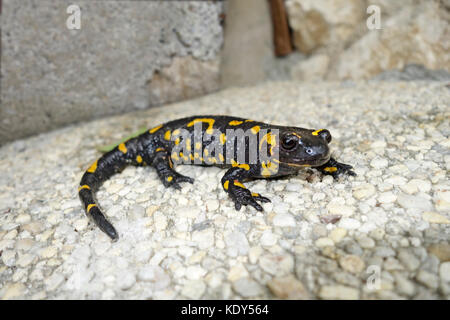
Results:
87 197
110 163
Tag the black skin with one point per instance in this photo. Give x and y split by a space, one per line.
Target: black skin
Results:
159 147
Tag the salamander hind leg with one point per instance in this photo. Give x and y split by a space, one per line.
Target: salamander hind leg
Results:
238 192
168 176
335 169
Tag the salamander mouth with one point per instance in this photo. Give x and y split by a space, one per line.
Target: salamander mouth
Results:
309 162
322 161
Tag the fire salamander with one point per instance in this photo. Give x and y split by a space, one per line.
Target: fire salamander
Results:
249 149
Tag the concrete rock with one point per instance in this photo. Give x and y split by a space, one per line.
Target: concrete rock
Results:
323 22
288 288
416 34
121 59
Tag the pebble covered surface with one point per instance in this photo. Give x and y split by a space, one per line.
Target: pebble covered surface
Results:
383 234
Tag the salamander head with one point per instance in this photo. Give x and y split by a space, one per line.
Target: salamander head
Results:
302 147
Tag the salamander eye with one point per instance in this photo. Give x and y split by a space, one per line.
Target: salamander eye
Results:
289 142
325 135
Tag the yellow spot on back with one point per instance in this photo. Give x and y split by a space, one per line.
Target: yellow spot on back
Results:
209 121
235 123
167 135
225 185
159 149
89 207
315 133
123 148
198 145
93 167
139 159
153 130
176 132
177 141
170 178
330 169
175 156
269 138
84 187
297 135
223 138
243 166
237 183
249 120
221 157
205 152
255 129
188 144
254 194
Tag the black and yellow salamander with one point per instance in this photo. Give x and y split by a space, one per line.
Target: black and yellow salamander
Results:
249 149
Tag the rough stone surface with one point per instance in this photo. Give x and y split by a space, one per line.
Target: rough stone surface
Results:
193 244
414 34
323 22
414 71
417 34
127 55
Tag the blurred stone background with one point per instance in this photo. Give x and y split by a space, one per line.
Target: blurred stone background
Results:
132 55
127 55
340 46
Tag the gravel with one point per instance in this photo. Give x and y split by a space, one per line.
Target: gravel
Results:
383 234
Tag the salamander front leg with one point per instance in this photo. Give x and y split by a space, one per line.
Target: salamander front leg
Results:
334 168
164 168
238 192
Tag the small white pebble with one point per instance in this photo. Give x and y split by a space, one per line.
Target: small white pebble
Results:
323 242
23 218
338 292
433 217
338 234
81 224
284 220
363 191
379 163
268 239
387 197
349 223
212 205
48 252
